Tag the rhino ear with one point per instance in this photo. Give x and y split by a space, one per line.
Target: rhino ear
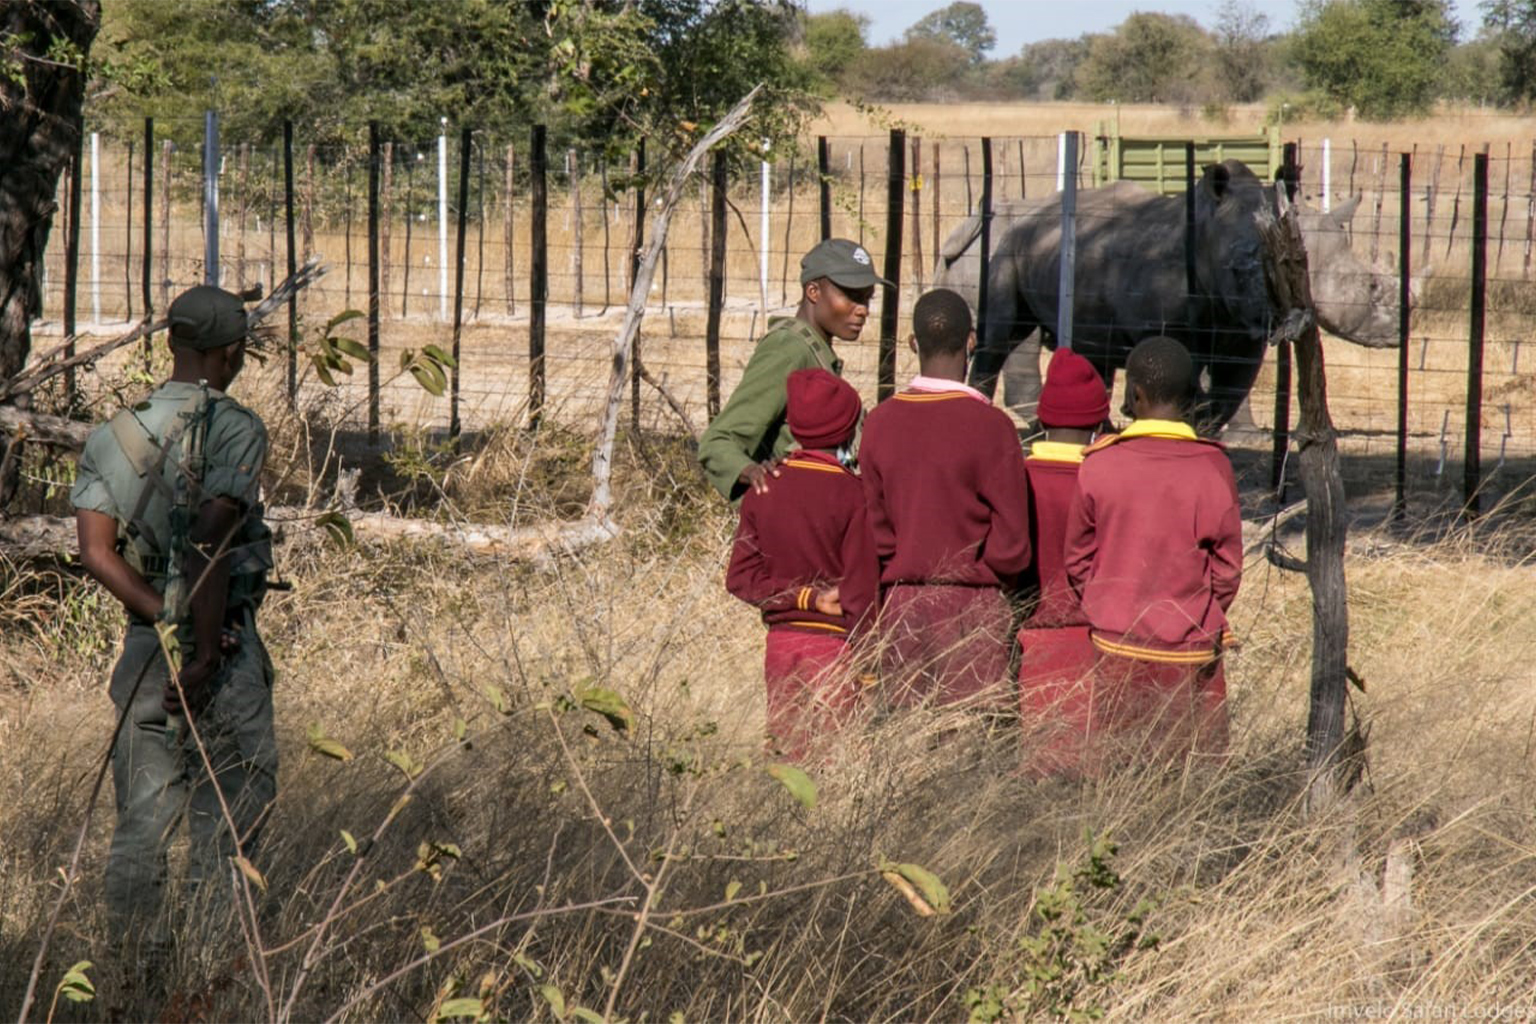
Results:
1345 211
1216 180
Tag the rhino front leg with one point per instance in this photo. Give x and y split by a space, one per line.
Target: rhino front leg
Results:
1232 378
1021 376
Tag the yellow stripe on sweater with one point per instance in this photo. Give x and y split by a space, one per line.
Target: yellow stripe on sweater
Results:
1119 650
818 625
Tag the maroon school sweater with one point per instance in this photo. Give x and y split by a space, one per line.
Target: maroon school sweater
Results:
1052 471
944 476
1154 545
809 532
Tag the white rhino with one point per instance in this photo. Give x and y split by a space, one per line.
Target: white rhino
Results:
1130 283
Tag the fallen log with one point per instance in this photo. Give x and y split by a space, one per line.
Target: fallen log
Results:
29 538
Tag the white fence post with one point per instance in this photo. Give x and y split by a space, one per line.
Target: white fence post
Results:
442 222
763 239
95 227
1327 174
1061 161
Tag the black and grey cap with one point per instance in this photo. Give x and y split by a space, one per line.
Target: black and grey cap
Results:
207 317
846 264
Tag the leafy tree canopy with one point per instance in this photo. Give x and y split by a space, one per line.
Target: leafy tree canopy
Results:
1148 58
602 72
1511 25
1386 58
961 24
834 42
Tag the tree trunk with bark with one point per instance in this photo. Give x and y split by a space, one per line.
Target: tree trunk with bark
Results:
1291 294
40 100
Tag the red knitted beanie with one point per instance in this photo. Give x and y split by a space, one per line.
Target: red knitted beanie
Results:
1074 394
823 408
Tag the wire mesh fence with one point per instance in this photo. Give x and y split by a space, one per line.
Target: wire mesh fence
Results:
134 220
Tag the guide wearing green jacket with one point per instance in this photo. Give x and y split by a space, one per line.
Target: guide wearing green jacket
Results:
741 444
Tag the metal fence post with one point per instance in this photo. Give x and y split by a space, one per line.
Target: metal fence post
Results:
1404 299
538 273
293 300
824 169
983 281
373 282
149 194
1472 480
72 256
636 245
211 273
890 310
1067 281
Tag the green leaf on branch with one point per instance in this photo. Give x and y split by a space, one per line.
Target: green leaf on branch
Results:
554 998
351 348
430 378
920 886
590 1016
408 765
75 986
608 704
323 744
339 527
438 356
797 782
454 1009
341 318
429 940
249 871
350 840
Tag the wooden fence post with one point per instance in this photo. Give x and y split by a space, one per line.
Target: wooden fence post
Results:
410 211
636 367
917 207
1504 206
937 200
789 221
309 200
1429 204
573 175
983 281
1530 214
373 282
716 284
895 189
1405 200
538 284
1282 432
165 224
386 220
509 264
1472 478
242 207
861 192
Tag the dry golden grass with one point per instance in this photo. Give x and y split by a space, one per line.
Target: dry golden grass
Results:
1261 913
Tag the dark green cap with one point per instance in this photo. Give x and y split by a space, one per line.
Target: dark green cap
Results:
847 264
207 317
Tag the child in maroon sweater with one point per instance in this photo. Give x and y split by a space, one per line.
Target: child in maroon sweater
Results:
803 555
1154 551
1056 659
944 476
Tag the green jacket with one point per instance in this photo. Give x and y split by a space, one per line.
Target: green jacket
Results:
118 468
752 427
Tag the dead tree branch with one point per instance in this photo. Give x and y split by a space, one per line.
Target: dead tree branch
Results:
1290 291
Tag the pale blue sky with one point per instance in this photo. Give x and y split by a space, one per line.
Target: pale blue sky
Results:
1025 21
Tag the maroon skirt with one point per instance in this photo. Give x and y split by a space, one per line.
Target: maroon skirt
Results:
944 644
1056 706
1156 710
812 689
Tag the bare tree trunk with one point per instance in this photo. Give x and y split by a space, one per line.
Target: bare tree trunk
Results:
1321 477
39 128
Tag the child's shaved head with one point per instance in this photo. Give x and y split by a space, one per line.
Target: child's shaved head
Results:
942 322
1161 367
